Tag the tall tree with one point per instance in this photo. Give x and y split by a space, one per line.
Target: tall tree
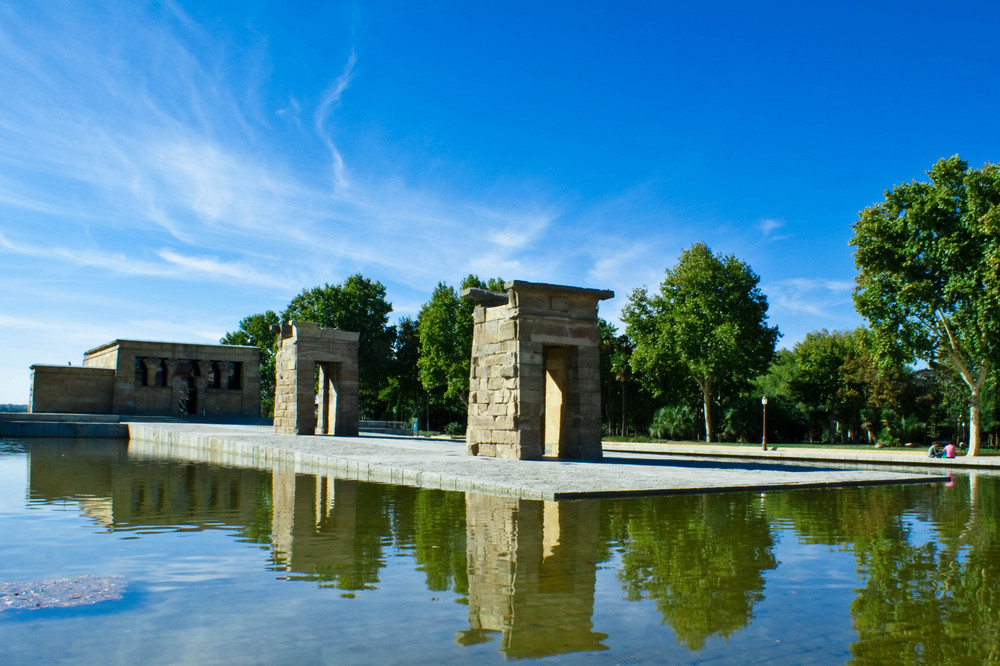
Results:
445 325
360 305
255 330
819 379
928 260
786 418
709 320
403 391
615 352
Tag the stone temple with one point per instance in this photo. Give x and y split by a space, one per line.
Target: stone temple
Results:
535 388
152 378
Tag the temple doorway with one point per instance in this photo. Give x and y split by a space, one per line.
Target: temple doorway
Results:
327 375
557 362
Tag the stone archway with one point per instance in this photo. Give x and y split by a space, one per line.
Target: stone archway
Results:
535 387
316 363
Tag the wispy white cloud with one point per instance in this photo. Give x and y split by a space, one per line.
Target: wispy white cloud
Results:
132 146
143 164
78 337
328 103
175 265
768 226
513 230
214 269
814 297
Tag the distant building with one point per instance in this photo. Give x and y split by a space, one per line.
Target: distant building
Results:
153 379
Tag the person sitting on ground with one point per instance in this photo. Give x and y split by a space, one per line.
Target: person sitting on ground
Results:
933 452
949 450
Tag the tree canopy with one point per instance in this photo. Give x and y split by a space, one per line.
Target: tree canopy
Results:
359 304
403 392
616 372
708 322
445 328
928 260
256 330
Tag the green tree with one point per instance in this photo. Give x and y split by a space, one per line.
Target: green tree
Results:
403 391
786 418
445 328
819 358
709 322
356 305
838 385
928 260
616 372
256 331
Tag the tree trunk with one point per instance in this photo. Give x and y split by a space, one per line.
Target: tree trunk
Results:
974 409
706 390
624 405
975 383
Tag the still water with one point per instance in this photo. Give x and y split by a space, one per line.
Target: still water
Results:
239 566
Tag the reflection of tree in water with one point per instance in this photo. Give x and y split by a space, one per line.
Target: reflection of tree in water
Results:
430 524
258 530
927 597
439 539
929 603
318 528
973 602
699 558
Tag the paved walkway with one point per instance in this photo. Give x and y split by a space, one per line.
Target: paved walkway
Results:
909 457
626 470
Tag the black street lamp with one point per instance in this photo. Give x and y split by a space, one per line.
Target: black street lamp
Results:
763 440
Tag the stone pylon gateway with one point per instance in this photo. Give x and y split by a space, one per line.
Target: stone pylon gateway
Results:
309 356
535 387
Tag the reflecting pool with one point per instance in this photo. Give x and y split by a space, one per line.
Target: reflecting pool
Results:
205 564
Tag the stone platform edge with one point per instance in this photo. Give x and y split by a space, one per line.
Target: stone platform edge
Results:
94 427
168 444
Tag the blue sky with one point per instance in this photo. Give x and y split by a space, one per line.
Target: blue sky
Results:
169 168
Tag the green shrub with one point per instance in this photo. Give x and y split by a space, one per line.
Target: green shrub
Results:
673 422
454 429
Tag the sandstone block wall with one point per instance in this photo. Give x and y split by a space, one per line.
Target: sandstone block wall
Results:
534 385
309 355
154 378
161 378
70 390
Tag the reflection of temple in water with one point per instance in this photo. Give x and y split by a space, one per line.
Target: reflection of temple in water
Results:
531 565
295 513
532 572
324 529
123 493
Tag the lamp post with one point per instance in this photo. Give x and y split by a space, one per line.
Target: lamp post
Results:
763 440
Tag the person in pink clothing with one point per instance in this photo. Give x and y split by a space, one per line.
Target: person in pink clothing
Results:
949 450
